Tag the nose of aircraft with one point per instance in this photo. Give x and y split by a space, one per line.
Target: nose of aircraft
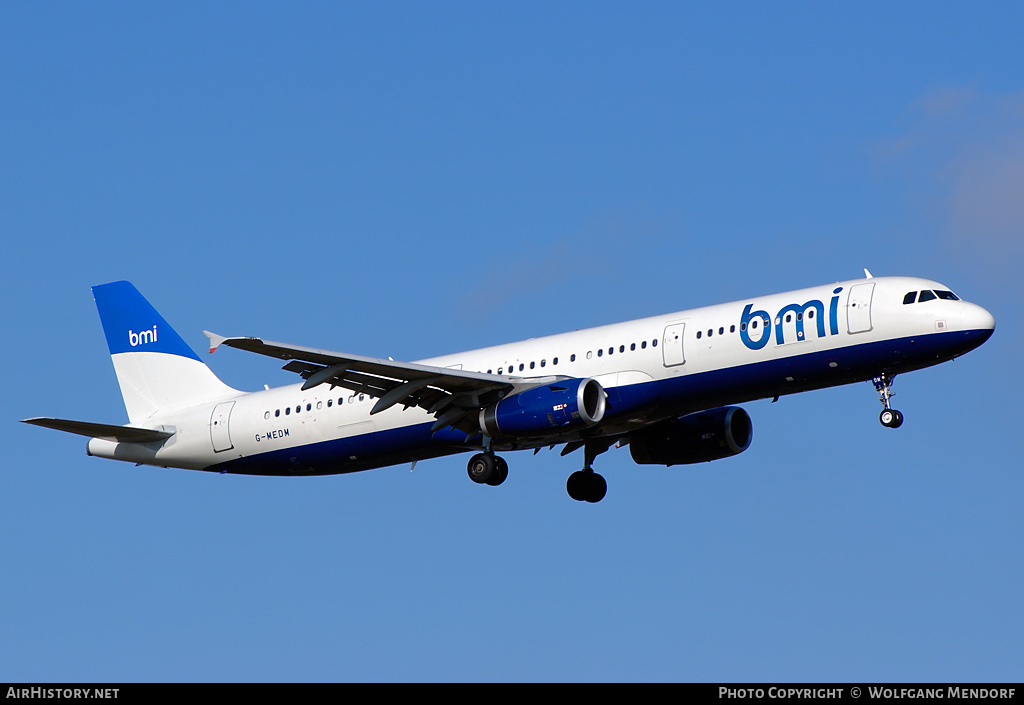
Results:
978 323
977 318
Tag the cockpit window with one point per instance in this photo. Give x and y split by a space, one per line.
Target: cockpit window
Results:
910 298
926 296
947 295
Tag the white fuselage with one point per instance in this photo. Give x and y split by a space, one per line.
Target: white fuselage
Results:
653 368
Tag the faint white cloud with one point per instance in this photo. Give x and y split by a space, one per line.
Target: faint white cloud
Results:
576 264
514 278
986 194
945 101
962 159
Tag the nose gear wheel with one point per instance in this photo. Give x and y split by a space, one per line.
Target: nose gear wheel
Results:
890 418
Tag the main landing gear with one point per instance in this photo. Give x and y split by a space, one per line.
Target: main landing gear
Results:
586 485
583 485
487 469
889 417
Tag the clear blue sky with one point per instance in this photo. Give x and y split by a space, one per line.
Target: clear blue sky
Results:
411 179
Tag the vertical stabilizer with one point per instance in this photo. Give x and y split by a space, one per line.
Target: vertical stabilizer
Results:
155 367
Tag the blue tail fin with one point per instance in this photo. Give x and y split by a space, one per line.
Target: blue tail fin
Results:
131 324
155 367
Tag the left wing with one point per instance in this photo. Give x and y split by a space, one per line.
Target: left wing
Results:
453 396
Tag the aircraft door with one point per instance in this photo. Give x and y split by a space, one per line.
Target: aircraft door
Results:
858 308
672 344
219 427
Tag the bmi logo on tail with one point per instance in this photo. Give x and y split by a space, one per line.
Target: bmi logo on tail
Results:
142 337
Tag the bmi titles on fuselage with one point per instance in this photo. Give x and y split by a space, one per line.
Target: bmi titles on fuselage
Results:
811 310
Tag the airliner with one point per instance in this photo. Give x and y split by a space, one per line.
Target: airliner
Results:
666 386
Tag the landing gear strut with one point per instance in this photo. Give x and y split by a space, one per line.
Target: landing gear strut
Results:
889 417
586 485
487 469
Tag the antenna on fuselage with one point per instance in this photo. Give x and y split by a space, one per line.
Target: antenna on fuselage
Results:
867 274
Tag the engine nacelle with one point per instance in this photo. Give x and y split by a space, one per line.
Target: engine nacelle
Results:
546 409
697 438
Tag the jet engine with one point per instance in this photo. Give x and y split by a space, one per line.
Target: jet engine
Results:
696 438
546 409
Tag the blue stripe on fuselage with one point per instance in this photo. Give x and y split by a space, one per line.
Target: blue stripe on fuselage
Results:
659 399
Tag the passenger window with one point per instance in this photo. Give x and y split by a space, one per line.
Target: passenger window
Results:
926 296
590 354
711 332
287 411
532 365
555 361
721 331
521 366
340 400
699 333
543 363
732 329
266 416
600 352
572 358
654 343
632 347
622 348
309 407
910 298
277 413
330 403
643 345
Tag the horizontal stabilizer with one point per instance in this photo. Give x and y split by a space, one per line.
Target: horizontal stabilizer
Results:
107 432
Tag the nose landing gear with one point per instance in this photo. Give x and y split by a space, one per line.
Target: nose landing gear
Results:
889 417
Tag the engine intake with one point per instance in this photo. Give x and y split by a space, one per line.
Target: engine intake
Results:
696 438
546 409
